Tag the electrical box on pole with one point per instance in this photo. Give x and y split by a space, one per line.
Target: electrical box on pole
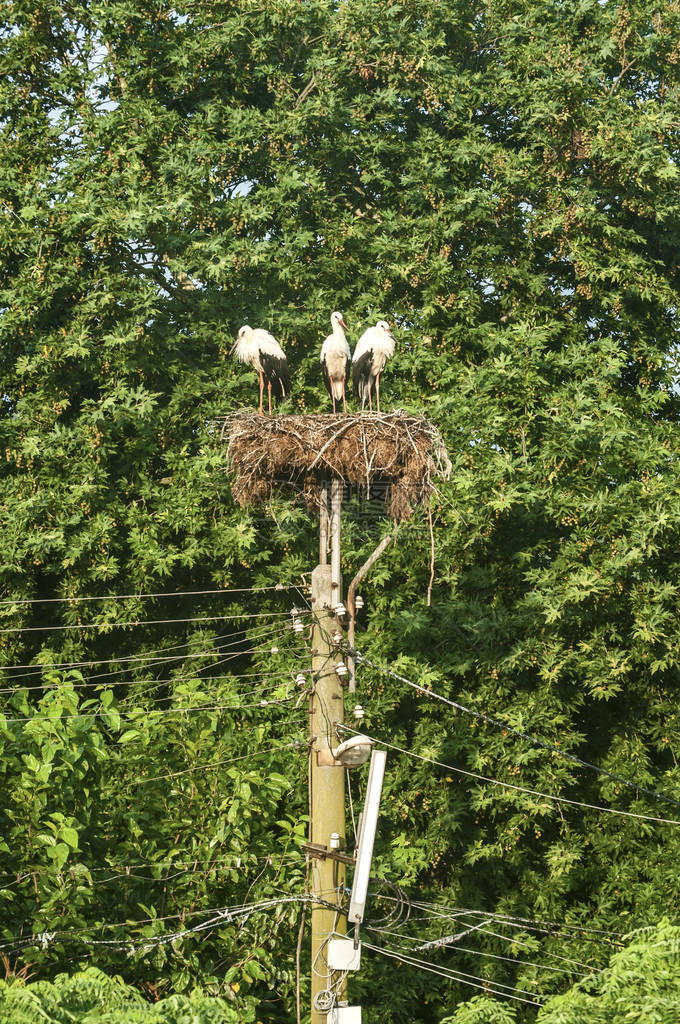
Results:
342 956
345 1015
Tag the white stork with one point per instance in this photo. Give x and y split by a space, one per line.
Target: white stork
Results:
374 348
261 350
335 357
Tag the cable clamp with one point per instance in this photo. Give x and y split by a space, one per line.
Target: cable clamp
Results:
45 938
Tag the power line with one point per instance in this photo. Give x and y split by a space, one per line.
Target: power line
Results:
458 976
515 732
138 713
260 648
265 636
436 912
101 680
512 940
124 709
136 597
37 668
520 789
266 686
150 622
127 872
296 744
183 863
447 942
516 921
224 915
148 656
260 674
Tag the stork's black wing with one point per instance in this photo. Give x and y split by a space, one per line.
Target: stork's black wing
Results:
276 370
361 371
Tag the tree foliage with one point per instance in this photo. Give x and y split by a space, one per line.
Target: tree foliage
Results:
500 181
642 983
93 998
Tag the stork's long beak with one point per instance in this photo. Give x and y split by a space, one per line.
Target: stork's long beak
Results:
231 350
342 323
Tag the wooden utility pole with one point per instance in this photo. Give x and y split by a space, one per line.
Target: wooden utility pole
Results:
326 778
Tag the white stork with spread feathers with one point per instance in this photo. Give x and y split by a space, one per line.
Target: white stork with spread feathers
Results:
374 348
335 358
261 350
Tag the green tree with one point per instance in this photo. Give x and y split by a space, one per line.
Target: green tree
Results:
93 998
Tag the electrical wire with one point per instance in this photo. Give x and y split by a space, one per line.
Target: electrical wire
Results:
260 640
116 659
514 941
487 719
439 912
107 684
262 673
459 976
296 744
524 928
137 597
143 694
511 940
136 713
153 660
478 952
262 643
223 915
402 908
226 675
231 860
517 921
126 872
125 706
266 686
147 622
520 789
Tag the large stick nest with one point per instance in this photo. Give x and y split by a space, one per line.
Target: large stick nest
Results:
393 453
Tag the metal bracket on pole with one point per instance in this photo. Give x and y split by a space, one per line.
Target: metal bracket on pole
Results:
322 852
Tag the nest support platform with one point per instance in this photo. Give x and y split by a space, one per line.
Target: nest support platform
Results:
401 452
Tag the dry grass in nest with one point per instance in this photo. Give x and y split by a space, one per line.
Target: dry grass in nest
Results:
404 452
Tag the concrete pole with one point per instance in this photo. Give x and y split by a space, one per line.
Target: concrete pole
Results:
326 780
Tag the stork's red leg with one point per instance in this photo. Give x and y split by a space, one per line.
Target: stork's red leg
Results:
269 392
370 403
377 391
344 403
261 391
333 398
